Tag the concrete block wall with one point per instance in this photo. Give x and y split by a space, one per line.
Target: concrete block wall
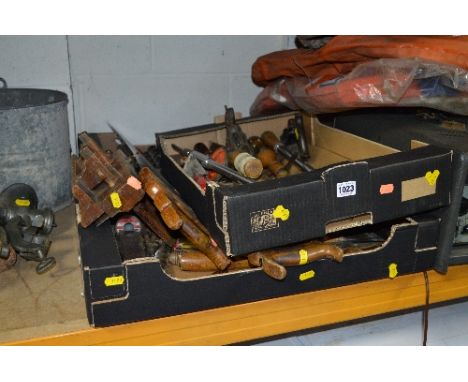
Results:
147 84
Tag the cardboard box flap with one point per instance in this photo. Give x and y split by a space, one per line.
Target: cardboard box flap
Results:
100 248
107 282
421 153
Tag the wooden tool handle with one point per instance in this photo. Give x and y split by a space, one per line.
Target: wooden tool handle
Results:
309 253
147 212
178 220
205 244
273 269
246 164
145 172
156 192
293 168
219 155
270 139
268 159
298 255
196 261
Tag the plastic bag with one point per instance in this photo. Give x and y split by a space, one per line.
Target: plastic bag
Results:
383 82
343 53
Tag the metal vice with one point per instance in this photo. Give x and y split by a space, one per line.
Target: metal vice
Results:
24 229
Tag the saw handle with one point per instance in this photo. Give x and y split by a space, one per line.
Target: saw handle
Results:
273 262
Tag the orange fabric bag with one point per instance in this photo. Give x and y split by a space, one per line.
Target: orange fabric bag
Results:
343 53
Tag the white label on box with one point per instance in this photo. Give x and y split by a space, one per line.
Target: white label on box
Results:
346 189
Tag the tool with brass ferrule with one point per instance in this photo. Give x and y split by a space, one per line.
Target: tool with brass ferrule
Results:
239 151
268 158
210 164
196 261
271 140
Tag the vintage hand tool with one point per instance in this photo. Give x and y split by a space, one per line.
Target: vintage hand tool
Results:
293 137
274 261
215 152
360 242
271 140
147 212
103 183
291 167
139 161
267 157
135 240
299 133
176 220
25 228
196 261
239 151
201 147
210 164
196 171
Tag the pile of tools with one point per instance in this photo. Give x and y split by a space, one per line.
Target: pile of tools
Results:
110 182
246 160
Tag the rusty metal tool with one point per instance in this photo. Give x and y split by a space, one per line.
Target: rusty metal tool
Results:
103 183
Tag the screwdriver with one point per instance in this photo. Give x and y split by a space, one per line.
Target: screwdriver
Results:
210 164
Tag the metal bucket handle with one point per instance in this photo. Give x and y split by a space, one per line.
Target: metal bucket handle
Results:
4 83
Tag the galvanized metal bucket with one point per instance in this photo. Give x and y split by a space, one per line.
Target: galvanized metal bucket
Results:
34 143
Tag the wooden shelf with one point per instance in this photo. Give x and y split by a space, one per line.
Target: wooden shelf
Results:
276 316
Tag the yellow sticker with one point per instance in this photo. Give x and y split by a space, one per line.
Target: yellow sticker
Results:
392 270
306 275
22 202
296 134
281 213
303 257
431 177
114 280
115 199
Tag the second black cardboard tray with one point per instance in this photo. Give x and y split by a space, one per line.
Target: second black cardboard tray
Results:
145 287
386 184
